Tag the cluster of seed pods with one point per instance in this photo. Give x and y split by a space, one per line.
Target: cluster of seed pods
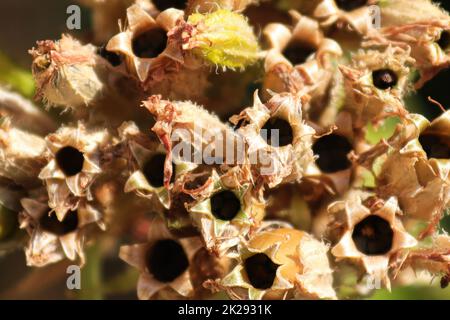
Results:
248 149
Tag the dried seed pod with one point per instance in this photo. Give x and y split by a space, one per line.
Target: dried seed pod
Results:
375 84
105 15
66 73
424 27
164 262
144 43
373 236
354 14
24 114
88 80
299 57
279 264
226 214
184 84
278 142
21 155
73 154
415 168
148 159
191 134
434 258
333 167
404 12
52 239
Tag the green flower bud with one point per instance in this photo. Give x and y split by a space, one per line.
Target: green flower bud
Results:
223 38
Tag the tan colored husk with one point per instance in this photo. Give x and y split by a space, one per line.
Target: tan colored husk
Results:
66 73
24 114
220 235
352 212
105 15
340 181
74 76
418 25
326 224
315 73
367 102
358 20
206 6
273 165
21 154
404 12
422 185
45 247
303 272
138 21
184 84
148 287
141 147
192 131
66 191
434 259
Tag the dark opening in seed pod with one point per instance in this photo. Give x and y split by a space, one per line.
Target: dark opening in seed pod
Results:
113 58
162 5
50 223
435 146
444 40
297 53
277 132
349 5
225 205
384 79
70 160
150 44
261 271
167 260
332 151
373 236
154 170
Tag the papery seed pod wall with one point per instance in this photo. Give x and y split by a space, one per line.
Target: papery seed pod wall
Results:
273 149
